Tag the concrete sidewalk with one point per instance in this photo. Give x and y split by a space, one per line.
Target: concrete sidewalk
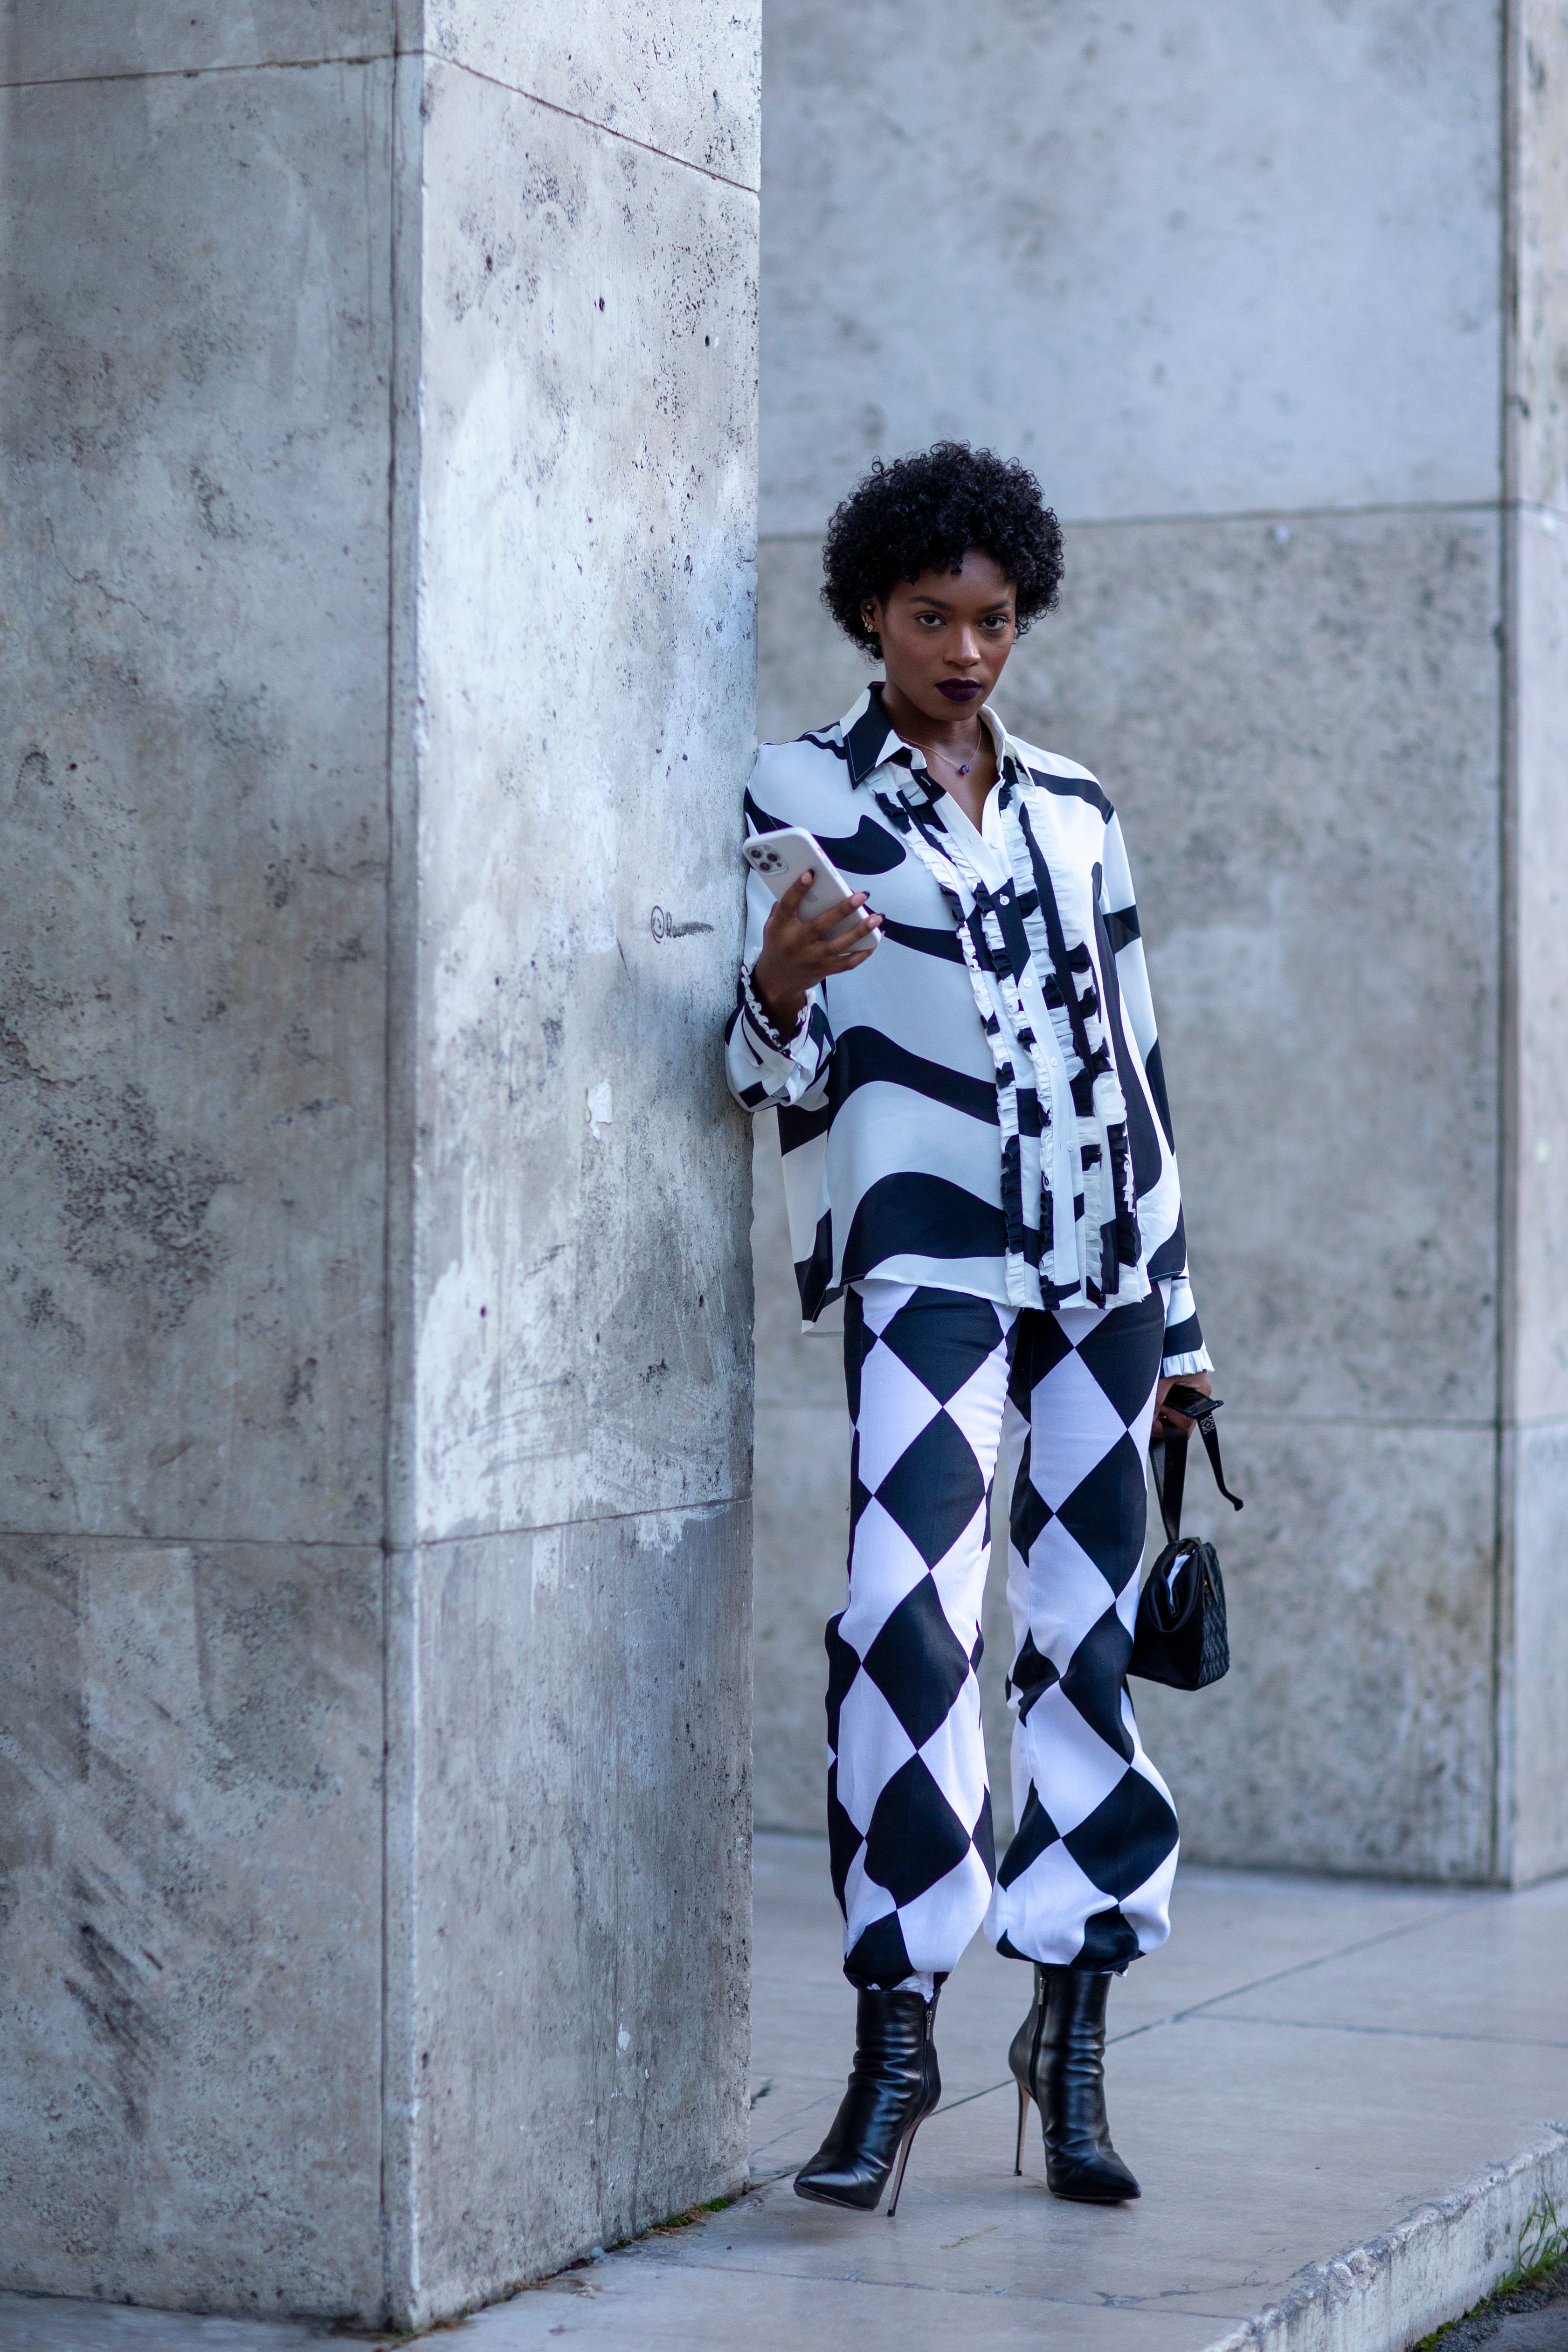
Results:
1342 2099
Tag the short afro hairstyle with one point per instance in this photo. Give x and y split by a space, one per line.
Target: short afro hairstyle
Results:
924 513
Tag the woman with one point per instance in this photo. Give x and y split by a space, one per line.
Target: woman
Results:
977 1154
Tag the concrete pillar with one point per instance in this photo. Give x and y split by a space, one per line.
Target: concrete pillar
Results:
1275 305
1532 1793
377 642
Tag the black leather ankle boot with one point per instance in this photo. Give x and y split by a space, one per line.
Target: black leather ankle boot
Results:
1058 2058
893 2087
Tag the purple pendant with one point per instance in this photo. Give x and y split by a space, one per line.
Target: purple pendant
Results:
963 771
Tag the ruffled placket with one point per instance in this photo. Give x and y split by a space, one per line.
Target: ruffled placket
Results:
1038 993
1036 1258
1061 939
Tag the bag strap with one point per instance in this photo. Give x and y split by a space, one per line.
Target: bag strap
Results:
1171 1468
1211 1447
1168 1453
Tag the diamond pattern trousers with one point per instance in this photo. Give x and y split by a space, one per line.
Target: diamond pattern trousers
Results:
940 1385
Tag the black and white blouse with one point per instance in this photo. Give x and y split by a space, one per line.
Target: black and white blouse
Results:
980 1105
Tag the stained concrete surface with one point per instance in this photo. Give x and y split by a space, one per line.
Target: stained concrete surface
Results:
584 1802
585 715
1534 2331
681 80
1529 2319
193 759
1304 2065
1237 257
1535 1454
190 1897
1537 102
1538 1199
40 42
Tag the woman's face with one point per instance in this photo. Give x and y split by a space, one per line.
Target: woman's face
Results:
947 635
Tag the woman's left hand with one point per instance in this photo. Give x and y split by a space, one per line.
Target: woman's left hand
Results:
1170 1419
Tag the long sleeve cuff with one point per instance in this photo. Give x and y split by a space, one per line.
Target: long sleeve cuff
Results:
756 1015
1184 1349
765 1068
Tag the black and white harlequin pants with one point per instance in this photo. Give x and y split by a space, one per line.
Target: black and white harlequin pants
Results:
938 1383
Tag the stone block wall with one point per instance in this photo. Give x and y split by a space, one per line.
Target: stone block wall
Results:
570 1911
1533 1595
378 661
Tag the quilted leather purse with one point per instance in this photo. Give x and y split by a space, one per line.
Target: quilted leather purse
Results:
1180 1636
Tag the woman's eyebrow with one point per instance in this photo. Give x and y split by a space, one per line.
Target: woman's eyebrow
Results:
1002 605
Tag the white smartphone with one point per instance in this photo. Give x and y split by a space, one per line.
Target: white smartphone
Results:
781 858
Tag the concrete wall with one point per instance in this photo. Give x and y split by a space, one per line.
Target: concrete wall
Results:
373 1732
570 1497
1533 1816
1231 280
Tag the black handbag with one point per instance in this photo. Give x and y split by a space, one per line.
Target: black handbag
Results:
1179 1636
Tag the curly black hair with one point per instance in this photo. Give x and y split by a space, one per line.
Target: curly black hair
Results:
923 513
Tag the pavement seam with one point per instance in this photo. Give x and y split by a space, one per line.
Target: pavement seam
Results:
1398 2033
1301 1968
679 2264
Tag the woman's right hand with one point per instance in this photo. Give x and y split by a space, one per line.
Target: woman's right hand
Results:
795 955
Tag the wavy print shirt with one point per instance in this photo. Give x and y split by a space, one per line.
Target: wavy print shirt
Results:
980 1105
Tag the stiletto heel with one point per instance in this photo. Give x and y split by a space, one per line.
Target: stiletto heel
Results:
899 2169
1024 2057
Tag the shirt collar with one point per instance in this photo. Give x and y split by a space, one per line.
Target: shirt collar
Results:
871 741
868 740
